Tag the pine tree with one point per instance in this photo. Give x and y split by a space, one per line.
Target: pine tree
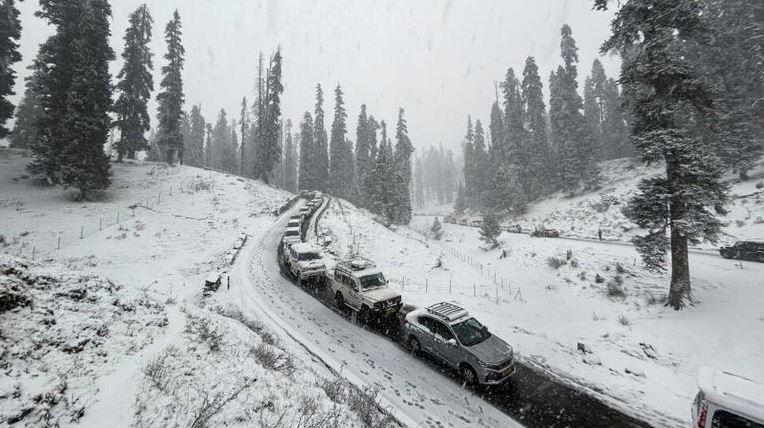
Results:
194 144
270 147
307 171
498 135
402 174
362 154
594 109
171 99
53 72
576 150
470 165
10 33
290 161
28 114
482 169
84 164
534 111
337 162
245 137
733 63
672 106
460 204
418 184
209 149
490 230
320 140
436 229
258 112
135 85
381 192
219 142
511 174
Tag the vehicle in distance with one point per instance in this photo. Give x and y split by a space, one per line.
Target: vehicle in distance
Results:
449 333
544 232
305 263
744 250
513 228
726 400
212 283
359 285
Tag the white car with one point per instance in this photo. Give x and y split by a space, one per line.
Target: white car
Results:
294 223
726 400
360 286
305 263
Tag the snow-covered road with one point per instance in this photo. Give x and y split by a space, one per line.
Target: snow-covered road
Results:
413 391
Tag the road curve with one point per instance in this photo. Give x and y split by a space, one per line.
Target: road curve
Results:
411 389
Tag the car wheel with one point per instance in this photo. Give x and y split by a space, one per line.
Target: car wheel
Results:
760 258
726 254
414 346
340 300
468 375
364 315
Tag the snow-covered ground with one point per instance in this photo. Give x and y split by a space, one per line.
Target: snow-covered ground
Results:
638 355
109 327
583 215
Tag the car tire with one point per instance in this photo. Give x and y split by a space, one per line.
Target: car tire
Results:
364 315
414 346
468 375
339 300
760 258
726 254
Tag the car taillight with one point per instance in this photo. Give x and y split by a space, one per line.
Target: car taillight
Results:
702 414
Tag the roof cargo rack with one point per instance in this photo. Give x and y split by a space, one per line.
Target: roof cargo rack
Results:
355 263
447 311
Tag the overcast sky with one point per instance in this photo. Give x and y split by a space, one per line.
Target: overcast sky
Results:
438 59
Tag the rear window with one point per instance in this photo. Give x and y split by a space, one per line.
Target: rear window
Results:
292 233
725 419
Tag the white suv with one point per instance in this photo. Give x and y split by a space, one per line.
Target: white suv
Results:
360 286
305 263
726 400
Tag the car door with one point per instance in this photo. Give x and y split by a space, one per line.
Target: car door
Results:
354 295
446 344
425 337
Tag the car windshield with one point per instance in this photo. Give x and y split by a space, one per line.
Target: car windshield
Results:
373 280
292 233
308 256
471 332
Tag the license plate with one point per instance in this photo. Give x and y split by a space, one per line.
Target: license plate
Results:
508 371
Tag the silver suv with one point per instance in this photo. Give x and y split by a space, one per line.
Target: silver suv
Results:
449 333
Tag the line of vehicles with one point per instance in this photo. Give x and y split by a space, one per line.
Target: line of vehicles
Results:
542 231
453 336
443 330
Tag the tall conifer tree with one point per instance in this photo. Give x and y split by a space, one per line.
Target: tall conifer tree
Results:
135 85
10 33
171 98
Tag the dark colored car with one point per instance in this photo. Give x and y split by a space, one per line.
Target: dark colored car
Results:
744 250
546 233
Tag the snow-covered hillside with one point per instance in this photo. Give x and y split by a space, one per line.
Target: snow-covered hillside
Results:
583 215
581 311
108 326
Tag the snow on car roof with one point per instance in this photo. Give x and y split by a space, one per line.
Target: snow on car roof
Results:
305 248
734 392
213 276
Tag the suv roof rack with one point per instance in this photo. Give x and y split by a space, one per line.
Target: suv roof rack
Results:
447 311
356 263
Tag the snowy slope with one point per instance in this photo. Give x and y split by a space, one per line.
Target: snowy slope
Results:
582 215
638 355
121 332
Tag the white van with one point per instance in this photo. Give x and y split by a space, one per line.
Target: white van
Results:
726 400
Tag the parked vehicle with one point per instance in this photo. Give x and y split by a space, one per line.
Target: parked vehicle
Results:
212 283
449 219
744 250
463 222
307 194
359 285
476 222
294 223
725 400
514 228
449 333
305 263
543 232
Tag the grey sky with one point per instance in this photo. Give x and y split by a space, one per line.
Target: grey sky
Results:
438 59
